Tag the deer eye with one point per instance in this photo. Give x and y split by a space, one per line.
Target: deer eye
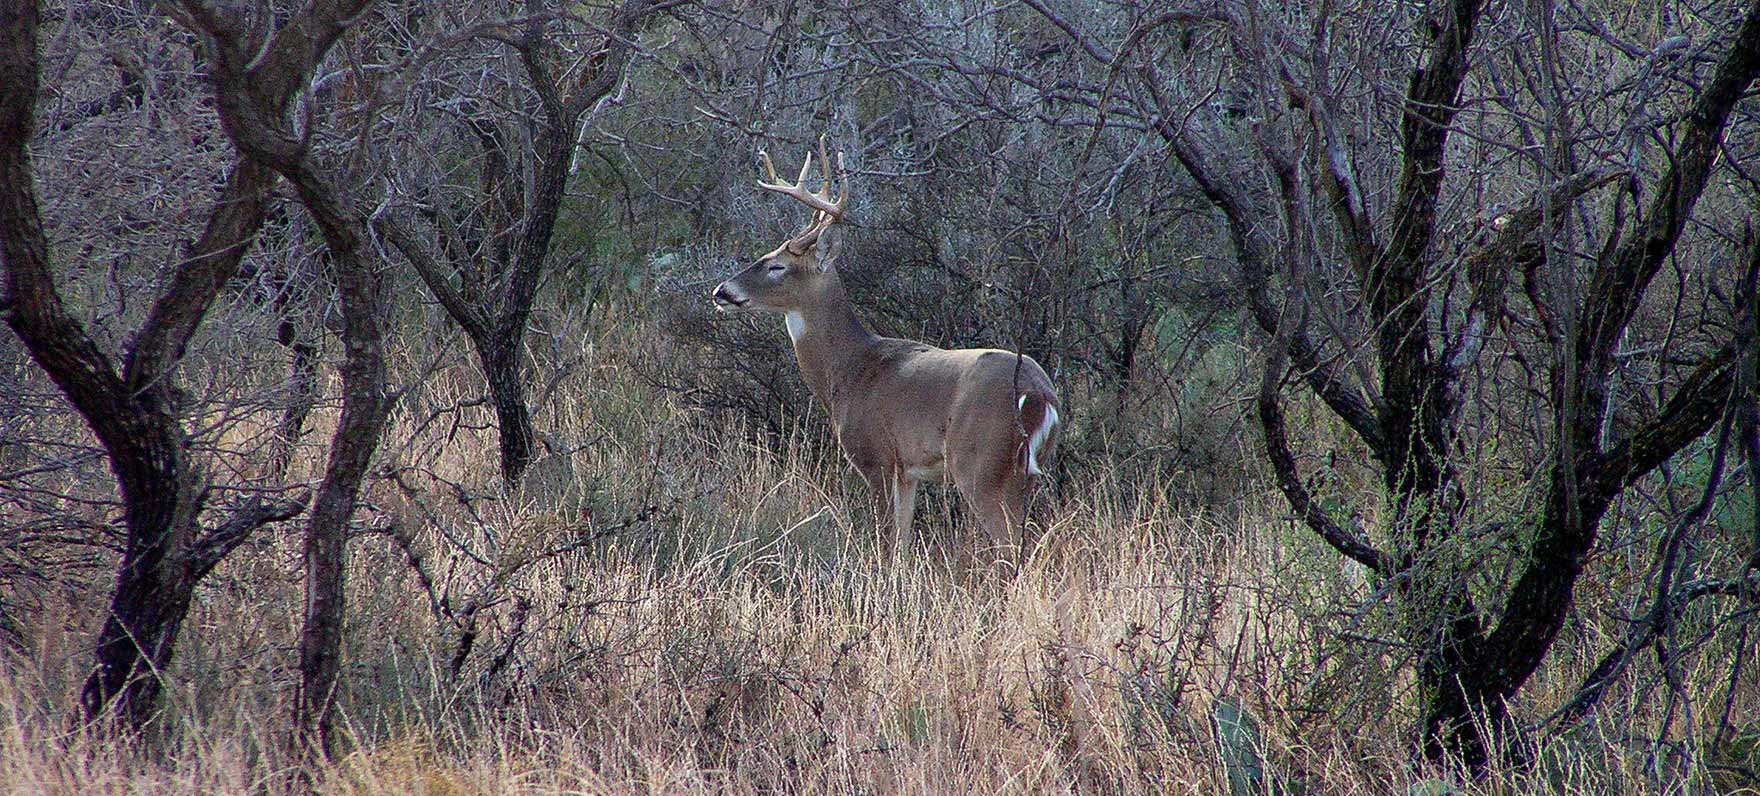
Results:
777 268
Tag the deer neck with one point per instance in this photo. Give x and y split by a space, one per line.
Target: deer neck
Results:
829 340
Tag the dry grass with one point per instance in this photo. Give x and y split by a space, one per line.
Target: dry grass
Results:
690 611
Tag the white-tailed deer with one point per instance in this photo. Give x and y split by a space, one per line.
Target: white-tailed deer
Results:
903 411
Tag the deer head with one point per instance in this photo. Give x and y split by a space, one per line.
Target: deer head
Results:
797 272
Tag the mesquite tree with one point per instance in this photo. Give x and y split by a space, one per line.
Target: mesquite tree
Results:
1449 226
482 250
1478 649
132 399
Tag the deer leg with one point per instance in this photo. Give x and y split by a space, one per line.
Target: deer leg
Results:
879 498
904 508
997 497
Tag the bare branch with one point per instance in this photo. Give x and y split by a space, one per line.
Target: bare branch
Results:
213 259
432 273
1669 603
1254 248
1289 480
1612 294
213 548
1689 413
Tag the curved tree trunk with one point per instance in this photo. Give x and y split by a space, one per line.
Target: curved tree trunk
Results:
153 590
131 409
365 405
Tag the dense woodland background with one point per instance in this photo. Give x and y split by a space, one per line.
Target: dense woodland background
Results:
365 425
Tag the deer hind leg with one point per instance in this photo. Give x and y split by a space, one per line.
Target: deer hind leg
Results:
990 466
997 495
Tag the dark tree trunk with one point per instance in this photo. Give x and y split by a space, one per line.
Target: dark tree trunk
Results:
132 411
136 642
364 408
152 597
513 420
1467 722
1459 702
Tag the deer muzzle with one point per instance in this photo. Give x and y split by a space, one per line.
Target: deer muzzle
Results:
729 297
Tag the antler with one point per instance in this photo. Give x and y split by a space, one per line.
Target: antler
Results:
827 210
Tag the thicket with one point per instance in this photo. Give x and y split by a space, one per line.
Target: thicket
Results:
364 412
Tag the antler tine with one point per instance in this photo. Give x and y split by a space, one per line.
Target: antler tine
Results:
843 178
769 168
832 179
825 187
821 201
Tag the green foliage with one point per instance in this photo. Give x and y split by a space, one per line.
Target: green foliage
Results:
1733 513
1243 749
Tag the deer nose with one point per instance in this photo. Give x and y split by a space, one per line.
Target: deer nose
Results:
726 296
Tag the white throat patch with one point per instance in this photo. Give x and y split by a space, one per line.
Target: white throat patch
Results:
797 326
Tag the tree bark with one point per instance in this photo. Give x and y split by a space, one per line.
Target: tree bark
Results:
507 391
1585 478
365 405
133 412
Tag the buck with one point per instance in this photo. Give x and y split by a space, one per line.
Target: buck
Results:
904 412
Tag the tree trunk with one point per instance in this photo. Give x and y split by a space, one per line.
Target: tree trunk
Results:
495 316
132 412
152 596
365 405
500 360
1465 722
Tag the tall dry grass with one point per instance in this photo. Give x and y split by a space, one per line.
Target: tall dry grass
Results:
684 607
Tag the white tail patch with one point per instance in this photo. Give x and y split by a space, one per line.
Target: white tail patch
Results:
1039 435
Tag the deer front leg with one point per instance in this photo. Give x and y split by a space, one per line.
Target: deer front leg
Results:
904 508
893 495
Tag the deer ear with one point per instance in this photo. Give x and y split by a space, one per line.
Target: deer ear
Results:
827 248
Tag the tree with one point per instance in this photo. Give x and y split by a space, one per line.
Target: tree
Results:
1382 282
135 410
483 258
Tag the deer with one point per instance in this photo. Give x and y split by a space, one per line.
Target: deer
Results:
903 411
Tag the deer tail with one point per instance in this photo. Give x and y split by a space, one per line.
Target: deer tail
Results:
1038 420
